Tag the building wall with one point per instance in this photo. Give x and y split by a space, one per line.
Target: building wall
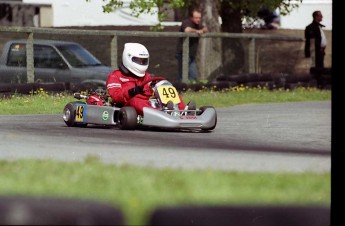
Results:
91 14
46 18
302 16
83 13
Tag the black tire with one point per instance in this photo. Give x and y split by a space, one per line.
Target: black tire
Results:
127 118
202 109
69 113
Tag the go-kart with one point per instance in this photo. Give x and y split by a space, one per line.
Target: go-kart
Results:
97 109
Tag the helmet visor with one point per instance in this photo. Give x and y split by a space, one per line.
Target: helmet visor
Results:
140 61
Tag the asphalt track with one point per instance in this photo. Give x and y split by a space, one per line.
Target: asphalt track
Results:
282 137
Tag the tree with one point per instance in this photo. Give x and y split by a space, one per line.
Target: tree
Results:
231 12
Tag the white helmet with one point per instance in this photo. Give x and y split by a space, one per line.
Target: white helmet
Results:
135 58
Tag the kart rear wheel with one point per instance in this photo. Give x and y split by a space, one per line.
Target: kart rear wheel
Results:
69 113
202 109
128 118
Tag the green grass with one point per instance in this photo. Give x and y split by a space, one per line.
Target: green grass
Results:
43 103
137 191
245 95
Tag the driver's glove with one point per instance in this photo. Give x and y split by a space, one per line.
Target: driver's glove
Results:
135 90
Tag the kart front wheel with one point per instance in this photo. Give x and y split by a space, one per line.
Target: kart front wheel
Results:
127 118
68 116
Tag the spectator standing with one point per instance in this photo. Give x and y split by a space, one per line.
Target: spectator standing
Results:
314 32
192 24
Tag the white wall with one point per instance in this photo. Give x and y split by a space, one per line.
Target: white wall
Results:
302 16
83 13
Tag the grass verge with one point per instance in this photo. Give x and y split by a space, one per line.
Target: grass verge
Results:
138 191
44 103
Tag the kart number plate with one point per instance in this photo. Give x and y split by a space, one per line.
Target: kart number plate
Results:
167 93
79 114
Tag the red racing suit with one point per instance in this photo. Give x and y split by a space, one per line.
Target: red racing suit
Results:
118 85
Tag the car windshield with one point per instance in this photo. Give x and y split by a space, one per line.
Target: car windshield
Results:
77 56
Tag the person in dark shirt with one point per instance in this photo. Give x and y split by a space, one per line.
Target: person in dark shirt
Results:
269 17
314 31
314 35
192 24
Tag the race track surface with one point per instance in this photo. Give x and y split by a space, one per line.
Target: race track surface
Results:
287 137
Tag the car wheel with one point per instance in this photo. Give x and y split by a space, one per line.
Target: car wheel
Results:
127 118
201 110
69 113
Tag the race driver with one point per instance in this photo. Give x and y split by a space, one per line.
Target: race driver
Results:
128 85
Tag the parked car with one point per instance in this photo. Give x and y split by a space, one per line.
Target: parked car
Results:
54 62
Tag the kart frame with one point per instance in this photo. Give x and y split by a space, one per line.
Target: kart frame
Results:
80 114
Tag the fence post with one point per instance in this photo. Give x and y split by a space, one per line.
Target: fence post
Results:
185 59
30 70
251 56
113 52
